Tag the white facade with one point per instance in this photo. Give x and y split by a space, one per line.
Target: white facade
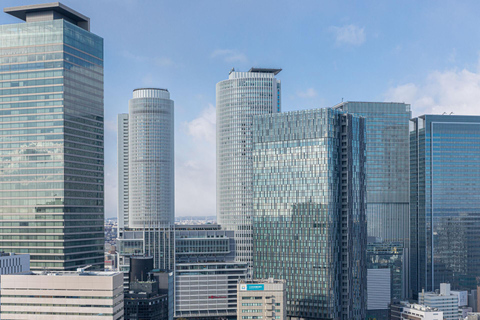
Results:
150 159
239 98
62 295
417 311
262 299
444 301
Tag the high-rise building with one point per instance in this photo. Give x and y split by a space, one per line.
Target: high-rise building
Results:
239 98
62 295
387 126
309 210
146 178
51 160
444 205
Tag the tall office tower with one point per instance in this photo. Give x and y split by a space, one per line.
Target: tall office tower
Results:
444 201
239 98
309 223
51 150
146 176
387 166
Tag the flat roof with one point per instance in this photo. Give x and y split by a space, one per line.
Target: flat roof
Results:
21 12
265 70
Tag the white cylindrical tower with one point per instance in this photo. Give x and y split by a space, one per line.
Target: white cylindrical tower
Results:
239 99
151 159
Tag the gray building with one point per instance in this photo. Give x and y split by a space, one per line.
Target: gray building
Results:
387 126
445 206
146 177
206 273
239 98
51 122
309 210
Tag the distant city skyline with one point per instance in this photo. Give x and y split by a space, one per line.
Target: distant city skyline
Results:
400 52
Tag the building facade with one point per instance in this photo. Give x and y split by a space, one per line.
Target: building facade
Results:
62 295
14 263
445 208
262 299
239 98
51 150
206 273
442 300
309 210
387 126
413 311
146 178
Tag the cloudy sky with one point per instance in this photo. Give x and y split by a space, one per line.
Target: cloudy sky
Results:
426 53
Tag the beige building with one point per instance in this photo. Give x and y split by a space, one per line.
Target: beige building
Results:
261 299
77 295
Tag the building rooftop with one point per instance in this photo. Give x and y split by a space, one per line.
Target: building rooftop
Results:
269 280
69 273
265 70
49 11
419 307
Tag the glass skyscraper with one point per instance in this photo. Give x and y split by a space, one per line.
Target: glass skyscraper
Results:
444 202
309 200
387 127
51 145
239 98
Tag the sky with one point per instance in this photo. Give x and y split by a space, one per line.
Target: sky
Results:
425 53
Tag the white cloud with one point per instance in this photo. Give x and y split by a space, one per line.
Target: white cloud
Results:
309 93
449 91
349 34
195 167
229 55
203 127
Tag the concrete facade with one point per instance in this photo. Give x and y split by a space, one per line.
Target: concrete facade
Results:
62 295
262 299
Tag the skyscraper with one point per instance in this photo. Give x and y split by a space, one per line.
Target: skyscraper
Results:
146 176
387 126
309 223
444 201
51 150
239 98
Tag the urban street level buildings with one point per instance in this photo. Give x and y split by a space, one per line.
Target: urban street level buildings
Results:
444 203
239 98
51 150
309 200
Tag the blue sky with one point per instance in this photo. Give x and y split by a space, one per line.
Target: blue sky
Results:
425 53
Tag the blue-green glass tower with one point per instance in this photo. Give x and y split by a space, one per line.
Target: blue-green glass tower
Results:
444 202
387 126
309 210
51 145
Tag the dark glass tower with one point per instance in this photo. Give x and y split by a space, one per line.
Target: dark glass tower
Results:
444 201
387 126
51 149
309 210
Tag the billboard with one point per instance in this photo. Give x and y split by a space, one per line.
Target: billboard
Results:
252 287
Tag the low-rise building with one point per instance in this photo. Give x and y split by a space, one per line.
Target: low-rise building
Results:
62 295
407 311
261 299
444 300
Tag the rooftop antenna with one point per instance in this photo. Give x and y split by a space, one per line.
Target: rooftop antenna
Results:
444 113
233 69
451 113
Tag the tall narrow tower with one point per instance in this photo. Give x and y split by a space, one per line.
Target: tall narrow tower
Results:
51 124
146 177
239 98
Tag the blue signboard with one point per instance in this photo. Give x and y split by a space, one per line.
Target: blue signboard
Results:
257 287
